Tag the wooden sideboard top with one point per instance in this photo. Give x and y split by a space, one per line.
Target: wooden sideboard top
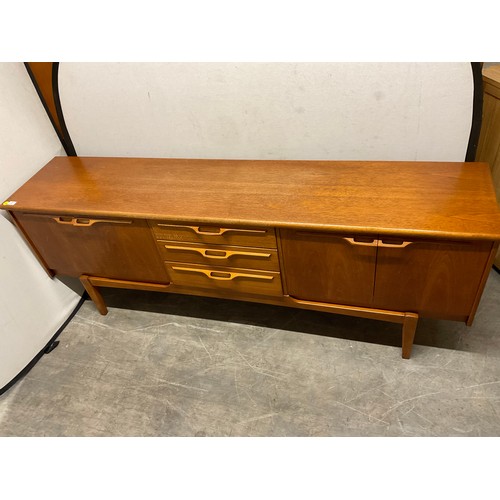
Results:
444 199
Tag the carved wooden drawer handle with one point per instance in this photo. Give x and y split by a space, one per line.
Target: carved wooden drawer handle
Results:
218 232
223 275
379 243
352 241
84 222
403 244
213 253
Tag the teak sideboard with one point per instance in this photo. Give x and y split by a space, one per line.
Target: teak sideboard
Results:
392 241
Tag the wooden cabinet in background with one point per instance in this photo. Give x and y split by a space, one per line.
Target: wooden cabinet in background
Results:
391 241
489 141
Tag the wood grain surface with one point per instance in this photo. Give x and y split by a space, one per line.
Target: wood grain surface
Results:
42 73
489 141
248 236
243 281
435 279
119 250
491 79
323 267
455 200
219 255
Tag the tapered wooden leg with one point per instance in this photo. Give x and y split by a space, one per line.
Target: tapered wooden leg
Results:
95 295
409 326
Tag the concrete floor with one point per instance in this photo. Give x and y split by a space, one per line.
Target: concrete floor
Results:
169 365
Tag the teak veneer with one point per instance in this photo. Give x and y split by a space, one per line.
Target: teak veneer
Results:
488 148
392 241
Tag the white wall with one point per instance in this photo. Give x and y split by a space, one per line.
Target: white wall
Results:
385 111
32 306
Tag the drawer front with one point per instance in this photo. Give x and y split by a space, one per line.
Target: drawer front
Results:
243 281
219 255
253 237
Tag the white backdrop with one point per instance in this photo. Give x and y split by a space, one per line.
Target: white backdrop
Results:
372 111
32 306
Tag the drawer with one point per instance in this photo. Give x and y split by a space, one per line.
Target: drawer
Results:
252 237
219 255
243 281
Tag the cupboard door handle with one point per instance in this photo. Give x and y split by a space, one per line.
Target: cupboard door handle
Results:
218 232
352 241
218 254
85 222
223 275
403 244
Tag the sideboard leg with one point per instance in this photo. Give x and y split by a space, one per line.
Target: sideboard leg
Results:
95 295
409 327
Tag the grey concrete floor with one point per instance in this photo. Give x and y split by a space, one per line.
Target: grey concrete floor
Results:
171 365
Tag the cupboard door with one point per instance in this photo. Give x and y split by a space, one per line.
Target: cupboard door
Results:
434 278
325 267
111 248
